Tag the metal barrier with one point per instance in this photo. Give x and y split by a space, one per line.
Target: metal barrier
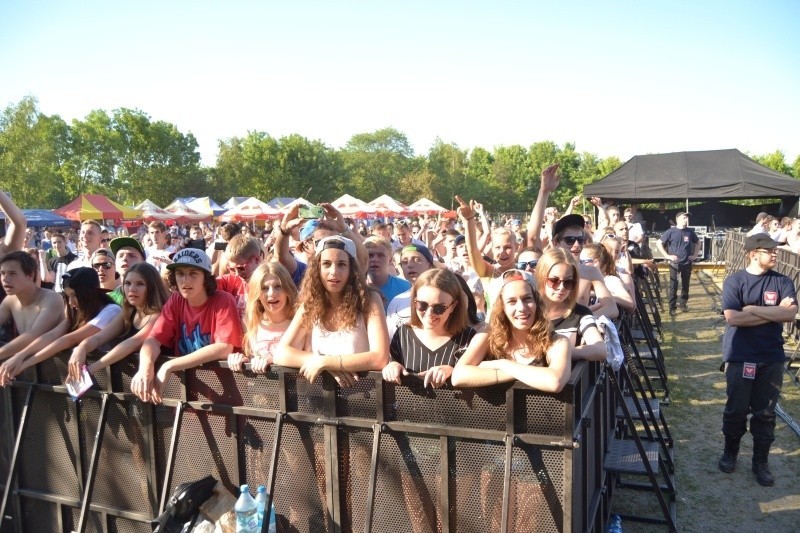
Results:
366 458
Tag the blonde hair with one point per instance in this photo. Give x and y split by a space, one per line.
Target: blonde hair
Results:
254 310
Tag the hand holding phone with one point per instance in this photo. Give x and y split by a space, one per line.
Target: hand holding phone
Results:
311 211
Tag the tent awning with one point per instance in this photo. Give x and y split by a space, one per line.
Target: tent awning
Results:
96 207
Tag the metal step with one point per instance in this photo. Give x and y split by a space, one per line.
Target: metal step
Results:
631 401
623 457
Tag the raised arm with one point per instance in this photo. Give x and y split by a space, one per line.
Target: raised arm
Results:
285 228
15 226
467 214
336 221
549 182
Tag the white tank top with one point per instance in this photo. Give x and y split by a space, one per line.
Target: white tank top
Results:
343 342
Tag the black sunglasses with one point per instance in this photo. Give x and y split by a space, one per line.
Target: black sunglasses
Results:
570 240
529 264
554 283
105 266
436 309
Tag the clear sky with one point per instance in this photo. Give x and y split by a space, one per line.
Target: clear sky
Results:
617 78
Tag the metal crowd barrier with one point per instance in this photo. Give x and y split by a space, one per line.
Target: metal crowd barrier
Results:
374 457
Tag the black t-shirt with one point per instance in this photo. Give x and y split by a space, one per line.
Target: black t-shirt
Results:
409 351
680 242
578 321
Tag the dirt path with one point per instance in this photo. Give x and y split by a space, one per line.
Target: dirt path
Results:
708 500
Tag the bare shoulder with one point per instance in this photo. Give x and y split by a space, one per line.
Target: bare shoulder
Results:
48 297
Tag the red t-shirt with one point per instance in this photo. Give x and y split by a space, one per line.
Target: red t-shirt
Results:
187 328
235 286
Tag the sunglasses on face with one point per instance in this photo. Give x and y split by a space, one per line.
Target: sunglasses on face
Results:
570 240
587 261
527 264
105 266
554 283
436 309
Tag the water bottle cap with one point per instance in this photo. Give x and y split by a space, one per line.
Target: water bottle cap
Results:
245 488
262 488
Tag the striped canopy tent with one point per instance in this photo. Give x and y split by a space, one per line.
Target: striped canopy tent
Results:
250 209
233 201
206 205
97 207
386 206
182 213
151 212
352 207
423 206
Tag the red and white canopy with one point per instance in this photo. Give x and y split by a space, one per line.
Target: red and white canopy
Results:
426 207
250 209
386 206
352 207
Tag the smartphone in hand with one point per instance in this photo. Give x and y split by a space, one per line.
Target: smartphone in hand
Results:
311 211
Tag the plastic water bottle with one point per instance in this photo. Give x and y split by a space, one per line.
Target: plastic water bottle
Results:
246 512
261 504
272 525
615 524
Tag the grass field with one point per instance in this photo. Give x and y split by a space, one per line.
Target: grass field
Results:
708 500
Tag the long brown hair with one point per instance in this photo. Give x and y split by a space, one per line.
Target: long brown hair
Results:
155 297
604 258
538 339
549 259
447 282
317 301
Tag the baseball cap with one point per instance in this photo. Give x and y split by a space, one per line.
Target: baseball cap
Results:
759 240
421 249
81 278
683 213
191 257
568 221
308 229
122 242
461 239
341 243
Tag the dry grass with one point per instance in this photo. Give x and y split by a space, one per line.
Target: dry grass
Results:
708 500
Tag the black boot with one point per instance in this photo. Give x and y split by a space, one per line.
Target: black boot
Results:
760 467
727 463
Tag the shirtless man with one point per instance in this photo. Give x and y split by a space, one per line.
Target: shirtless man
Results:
568 234
34 310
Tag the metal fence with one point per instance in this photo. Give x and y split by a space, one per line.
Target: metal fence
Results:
374 457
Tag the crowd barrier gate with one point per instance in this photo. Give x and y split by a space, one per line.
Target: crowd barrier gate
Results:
373 457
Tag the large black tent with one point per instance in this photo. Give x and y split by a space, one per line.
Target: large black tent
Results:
683 176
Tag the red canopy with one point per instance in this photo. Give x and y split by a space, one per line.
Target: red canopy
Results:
97 207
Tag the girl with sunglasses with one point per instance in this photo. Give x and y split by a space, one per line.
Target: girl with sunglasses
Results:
438 332
520 344
340 325
271 302
557 279
145 295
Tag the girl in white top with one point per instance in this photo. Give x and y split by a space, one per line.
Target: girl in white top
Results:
340 325
271 301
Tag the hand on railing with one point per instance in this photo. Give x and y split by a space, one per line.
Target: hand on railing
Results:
236 361
436 376
76 363
142 385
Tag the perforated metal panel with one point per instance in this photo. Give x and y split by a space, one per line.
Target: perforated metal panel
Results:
358 401
256 438
219 385
162 431
355 454
303 396
475 496
482 409
39 516
121 525
544 414
408 484
537 485
50 448
300 483
54 370
122 471
94 521
6 439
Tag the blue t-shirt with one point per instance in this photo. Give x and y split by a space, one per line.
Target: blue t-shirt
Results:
299 272
680 242
754 344
392 288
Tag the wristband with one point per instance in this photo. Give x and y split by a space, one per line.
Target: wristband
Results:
285 233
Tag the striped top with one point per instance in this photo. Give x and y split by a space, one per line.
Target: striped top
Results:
408 350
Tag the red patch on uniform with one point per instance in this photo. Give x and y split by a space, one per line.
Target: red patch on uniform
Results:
770 298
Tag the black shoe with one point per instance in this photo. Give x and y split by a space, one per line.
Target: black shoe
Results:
763 475
672 311
727 463
684 308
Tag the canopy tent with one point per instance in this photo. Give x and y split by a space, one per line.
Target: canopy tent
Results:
206 205
250 209
423 206
233 201
297 201
151 212
684 176
352 207
96 207
182 213
386 206
279 201
42 218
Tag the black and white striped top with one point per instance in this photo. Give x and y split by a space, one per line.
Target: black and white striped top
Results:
409 351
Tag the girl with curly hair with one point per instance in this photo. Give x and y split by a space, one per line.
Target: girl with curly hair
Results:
558 280
520 343
271 302
340 325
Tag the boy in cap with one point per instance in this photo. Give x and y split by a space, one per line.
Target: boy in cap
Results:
198 322
756 301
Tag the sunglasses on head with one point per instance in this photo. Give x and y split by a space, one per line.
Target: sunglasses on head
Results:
436 309
527 264
570 240
105 266
554 283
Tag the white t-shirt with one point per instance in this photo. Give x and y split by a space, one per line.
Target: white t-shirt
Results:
105 316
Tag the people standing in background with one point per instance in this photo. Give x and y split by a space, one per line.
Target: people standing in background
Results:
679 244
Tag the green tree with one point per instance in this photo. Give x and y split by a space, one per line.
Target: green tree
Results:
776 161
447 165
796 167
375 163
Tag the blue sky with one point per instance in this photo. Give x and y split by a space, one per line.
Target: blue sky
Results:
617 78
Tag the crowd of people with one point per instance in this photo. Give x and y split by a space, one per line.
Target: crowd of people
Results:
470 300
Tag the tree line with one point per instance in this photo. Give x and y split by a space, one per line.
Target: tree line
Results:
128 156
